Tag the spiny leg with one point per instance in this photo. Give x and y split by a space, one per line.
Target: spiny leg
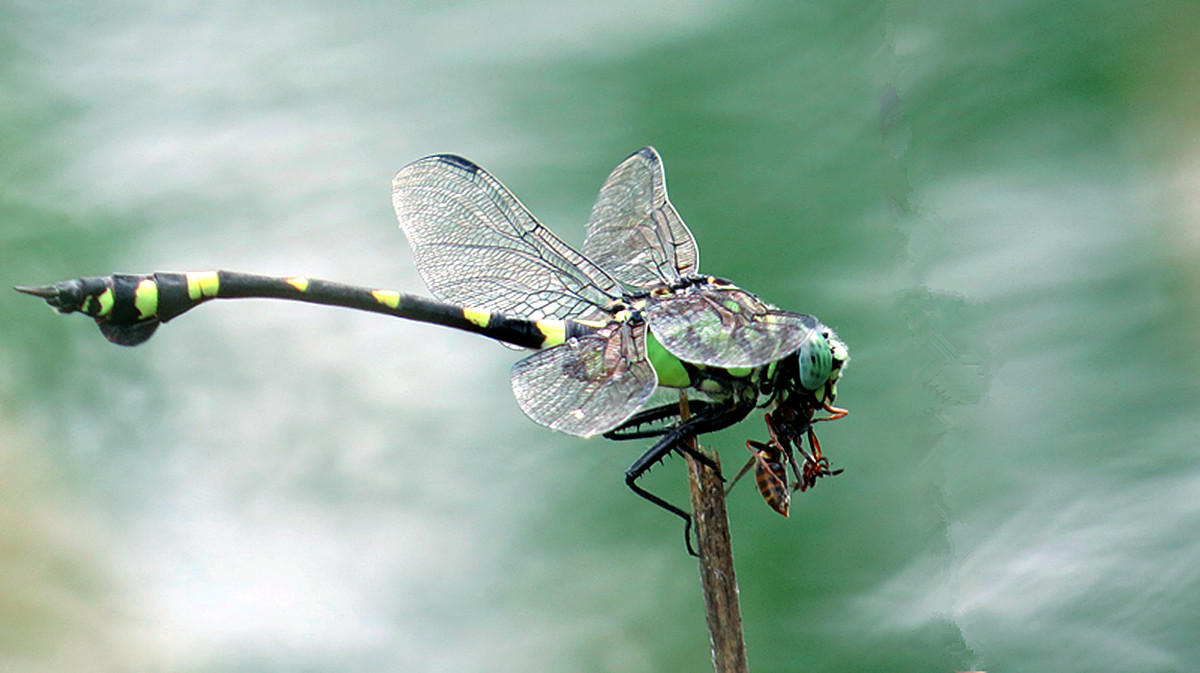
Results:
631 429
678 438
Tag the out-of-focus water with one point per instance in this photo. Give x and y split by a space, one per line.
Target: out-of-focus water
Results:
995 204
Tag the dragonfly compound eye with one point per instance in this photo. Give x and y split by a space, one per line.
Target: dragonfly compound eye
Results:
816 362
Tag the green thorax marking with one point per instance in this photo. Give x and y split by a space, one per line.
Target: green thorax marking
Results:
670 370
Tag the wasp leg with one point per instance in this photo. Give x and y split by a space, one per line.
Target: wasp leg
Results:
835 412
741 473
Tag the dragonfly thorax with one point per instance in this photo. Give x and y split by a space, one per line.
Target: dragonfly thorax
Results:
685 282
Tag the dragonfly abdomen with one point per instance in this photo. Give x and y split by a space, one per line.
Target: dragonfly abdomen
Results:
128 307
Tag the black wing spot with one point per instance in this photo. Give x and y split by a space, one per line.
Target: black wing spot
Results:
462 163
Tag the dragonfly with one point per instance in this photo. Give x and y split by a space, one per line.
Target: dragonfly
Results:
609 324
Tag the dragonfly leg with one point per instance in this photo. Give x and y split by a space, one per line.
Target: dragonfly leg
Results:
631 429
678 438
631 480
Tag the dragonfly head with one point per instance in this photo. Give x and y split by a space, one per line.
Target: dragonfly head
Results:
799 385
822 357
806 380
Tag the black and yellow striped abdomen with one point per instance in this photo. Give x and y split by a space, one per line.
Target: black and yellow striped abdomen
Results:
128 308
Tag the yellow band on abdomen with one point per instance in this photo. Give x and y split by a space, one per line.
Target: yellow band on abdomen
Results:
389 298
477 316
555 332
145 298
202 284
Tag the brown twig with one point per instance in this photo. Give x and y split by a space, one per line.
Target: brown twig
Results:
717 578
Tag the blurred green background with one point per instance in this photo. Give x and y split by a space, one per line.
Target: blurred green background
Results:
994 203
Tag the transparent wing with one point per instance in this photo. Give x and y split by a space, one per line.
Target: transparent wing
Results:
588 385
476 245
634 231
725 327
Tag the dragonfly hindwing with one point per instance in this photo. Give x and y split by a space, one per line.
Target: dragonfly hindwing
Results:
634 231
476 245
587 385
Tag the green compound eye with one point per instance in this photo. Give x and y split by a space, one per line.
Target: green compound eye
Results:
816 361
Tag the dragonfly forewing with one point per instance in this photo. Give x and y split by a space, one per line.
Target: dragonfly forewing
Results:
725 327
